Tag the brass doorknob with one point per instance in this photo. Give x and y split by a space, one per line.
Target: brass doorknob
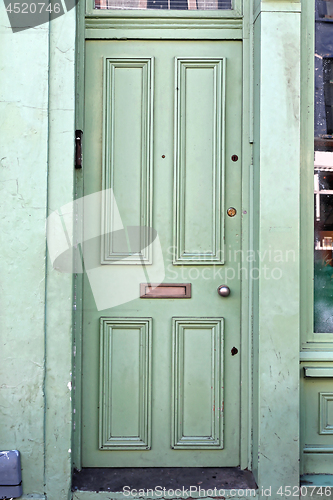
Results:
223 290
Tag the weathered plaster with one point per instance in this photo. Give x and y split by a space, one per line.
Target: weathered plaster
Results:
277 156
23 180
277 6
36 171
59 295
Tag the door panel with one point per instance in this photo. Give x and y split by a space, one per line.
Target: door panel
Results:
160 385
199 169
197 342
125 395
127 107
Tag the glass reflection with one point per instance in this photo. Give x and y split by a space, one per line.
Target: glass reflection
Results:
323 168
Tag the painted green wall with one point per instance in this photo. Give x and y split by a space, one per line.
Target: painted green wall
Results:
36 169
59 287
23 182
277 164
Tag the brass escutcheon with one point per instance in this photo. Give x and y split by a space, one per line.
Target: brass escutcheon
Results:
231 212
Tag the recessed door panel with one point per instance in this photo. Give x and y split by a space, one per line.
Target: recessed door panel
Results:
128 120
197 342
199 175
125 383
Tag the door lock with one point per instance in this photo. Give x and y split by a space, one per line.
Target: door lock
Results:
231 212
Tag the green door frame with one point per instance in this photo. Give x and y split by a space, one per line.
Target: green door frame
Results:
112 25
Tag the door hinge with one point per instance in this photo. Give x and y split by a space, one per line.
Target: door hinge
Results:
78 148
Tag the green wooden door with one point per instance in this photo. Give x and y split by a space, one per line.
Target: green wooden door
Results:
161 376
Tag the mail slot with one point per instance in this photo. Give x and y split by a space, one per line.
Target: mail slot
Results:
165 291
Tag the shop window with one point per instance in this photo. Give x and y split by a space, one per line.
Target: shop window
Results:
323 187
323 169
164 4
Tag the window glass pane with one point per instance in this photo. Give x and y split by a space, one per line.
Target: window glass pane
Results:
323 169
164 4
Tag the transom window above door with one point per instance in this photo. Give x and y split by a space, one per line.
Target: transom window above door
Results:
164 4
